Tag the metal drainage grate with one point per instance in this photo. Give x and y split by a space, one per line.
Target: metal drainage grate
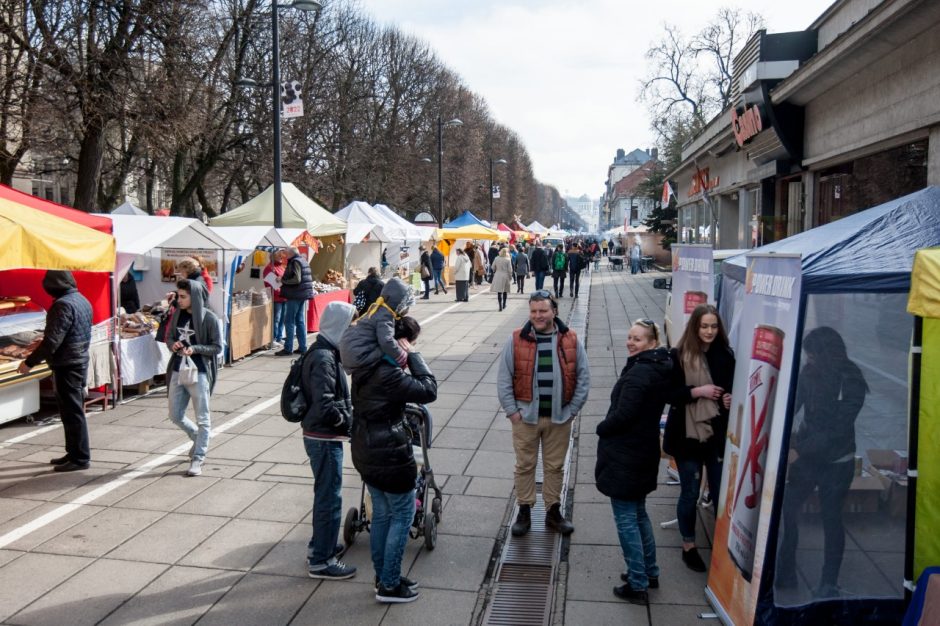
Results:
520 604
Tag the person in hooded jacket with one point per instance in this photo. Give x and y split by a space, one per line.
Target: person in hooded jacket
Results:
326 425
370 287
373 335
193 331
628 454
64 347
383 455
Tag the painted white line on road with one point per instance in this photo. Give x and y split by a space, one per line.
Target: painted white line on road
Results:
29 435
168 457
449 309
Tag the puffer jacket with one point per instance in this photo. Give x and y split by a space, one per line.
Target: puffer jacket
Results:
373 335
381 445
628 438
67 337
293 288
329 415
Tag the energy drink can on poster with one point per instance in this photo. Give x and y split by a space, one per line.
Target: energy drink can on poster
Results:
692 299
763 373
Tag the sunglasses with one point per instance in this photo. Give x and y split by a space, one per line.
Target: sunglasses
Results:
648 323
541 294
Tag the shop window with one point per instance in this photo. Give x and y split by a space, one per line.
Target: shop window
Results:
844 501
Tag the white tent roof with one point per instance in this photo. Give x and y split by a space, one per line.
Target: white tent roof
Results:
128 209
297 211
138 234
412 232
535 227
362 219
246 238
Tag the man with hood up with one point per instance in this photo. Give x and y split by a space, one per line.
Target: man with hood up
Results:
193 332
374 334
326 425
65 346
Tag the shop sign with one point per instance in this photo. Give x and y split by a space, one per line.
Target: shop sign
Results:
701 182
746 125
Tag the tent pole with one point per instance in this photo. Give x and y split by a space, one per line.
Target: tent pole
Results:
913 423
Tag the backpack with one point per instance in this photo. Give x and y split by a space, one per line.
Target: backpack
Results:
294 400
558 261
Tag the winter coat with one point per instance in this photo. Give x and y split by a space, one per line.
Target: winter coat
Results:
130 299
462 267
371 287
502 275
492 253
206 342
67 336
373 335
437 260
381 444
540 260
575 261
297 282
479 265
628 438
721 366
522 265
329 414
559 262
426 262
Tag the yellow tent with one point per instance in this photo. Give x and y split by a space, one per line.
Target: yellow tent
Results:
33 239
469 232
297 211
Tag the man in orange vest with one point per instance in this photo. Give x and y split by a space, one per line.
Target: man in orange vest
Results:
542 384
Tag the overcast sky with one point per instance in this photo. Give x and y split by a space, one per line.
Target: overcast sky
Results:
564 74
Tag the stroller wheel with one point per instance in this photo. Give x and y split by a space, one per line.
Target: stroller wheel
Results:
430 532
436 509
351 526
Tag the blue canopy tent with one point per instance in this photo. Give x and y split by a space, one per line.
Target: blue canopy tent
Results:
466 219
856 274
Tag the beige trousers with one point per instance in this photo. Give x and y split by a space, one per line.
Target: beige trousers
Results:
525 441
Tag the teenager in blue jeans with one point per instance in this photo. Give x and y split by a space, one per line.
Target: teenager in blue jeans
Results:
628 455
382 453
326 426
437 268
296 288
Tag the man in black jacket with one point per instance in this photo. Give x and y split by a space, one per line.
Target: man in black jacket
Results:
539 262
297 289
326 426
65 347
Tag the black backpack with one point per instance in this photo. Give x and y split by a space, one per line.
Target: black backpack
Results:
294 400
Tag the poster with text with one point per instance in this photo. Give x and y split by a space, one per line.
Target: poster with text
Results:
693 283
169 257
764 361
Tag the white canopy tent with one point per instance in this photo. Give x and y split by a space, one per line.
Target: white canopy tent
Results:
246 239
128 209
537 228
297 211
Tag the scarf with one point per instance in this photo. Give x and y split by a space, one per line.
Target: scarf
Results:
699 413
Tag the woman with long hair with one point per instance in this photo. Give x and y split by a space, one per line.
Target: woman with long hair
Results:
703 373
502 277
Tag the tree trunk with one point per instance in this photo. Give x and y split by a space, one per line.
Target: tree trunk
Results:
89 167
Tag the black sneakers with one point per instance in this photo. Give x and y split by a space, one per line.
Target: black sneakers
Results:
398 595
633 596
693 560
652 584
554 520
523 521
402 580
334 570
71 467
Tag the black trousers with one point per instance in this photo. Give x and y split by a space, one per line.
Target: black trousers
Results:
520 283
574 282
427 286
463 290
558 278
70 395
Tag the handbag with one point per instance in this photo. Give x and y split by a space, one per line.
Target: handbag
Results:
189 373
425 274
359 301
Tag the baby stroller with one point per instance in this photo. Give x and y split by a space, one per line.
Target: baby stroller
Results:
418 421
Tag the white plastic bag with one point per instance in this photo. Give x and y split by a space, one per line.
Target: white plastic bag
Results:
189 373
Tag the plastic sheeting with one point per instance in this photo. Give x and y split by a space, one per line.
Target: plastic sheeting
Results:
924 299
927 518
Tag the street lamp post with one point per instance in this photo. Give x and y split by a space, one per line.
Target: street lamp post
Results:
300 5
492 188
440 163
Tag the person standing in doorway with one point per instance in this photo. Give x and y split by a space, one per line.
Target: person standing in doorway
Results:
542 384
64 347
297 289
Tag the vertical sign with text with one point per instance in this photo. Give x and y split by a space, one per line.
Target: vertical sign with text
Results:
693 283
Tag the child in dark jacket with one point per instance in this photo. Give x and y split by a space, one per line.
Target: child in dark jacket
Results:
373 336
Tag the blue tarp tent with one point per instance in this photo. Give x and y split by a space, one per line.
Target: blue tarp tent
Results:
466 219
856 273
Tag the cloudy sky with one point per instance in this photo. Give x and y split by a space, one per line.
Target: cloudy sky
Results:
564 74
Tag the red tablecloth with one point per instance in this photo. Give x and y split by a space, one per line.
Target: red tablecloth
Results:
316 306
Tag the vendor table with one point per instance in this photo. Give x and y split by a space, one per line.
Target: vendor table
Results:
142 358
317 305
19 393
252 328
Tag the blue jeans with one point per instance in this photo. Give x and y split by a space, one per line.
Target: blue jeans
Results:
326 461
392 515
279 321
636 540
539 280
690 480
179 395
295 322
439 280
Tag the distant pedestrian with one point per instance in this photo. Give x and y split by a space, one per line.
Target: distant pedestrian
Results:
64 347
272 274
368 290
427 272
438 262
479 265
130 300
604 247
297 289
575 265
502 277
326 425
542 384
559 264
635 256
540 265
521 271
462 276
628 455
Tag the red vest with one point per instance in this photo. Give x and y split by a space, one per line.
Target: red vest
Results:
524 354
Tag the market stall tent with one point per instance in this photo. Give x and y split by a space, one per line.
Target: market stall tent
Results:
245 240
128 209
298 211
466 219
536 228
856 274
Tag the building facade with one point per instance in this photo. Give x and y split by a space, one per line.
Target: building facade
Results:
620 202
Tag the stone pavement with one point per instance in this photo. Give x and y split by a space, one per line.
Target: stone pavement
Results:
135 541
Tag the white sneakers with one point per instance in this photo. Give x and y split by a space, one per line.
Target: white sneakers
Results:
195 468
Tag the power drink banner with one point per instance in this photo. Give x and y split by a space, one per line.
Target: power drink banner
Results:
693 283
764 361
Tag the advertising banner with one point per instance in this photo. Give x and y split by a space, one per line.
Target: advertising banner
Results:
169 257
693 283
764 354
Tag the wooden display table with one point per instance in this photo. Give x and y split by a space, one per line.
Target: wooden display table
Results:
252 328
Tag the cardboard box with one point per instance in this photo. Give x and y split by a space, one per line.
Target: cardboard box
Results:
890 460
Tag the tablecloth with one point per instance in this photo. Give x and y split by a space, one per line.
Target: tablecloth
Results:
142 358
316 306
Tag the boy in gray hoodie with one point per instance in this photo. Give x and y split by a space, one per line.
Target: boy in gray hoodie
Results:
194 332
373 335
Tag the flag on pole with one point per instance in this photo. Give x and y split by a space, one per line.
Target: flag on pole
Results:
668 193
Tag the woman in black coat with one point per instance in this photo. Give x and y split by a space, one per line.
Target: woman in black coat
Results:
703 373
382 454
628 454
